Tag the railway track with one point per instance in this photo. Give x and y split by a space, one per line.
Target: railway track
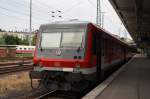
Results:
59 94
62 94
15 67
46 94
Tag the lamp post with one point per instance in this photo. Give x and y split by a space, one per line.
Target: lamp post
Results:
102 19
30 23
98 20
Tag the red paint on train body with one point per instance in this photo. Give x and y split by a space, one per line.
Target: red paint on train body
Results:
89 59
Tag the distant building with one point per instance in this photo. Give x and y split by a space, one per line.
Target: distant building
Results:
21 35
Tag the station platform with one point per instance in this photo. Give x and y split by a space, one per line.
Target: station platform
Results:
131 82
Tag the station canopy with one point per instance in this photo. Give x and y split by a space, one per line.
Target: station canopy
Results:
135 14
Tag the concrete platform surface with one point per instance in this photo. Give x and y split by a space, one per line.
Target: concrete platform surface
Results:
132 83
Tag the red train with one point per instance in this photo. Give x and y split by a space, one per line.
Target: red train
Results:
68 53
25 51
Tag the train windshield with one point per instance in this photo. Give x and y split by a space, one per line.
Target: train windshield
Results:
71 39
62 39
50 40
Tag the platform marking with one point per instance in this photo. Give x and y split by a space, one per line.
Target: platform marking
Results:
100 88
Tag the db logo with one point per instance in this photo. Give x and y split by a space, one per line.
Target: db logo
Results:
58 52
57 64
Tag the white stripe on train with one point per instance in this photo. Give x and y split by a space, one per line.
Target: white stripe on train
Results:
74 70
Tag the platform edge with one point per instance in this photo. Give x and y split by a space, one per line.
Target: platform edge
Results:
99 89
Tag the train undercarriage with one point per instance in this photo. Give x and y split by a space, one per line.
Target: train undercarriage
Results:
62 80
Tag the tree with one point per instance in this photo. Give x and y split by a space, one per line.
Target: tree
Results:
24 42
2 41
11 40
2 30
34 40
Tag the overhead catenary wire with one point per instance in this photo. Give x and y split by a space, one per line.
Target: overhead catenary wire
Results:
12 16
45 5
22 3
19 18
92 3
14 11
18 4
35 12
21 13
70 8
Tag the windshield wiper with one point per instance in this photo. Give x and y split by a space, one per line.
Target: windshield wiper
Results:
41 49
78 49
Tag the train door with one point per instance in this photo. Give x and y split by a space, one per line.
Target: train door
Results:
98 56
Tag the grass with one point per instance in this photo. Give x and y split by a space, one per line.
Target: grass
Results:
13 84
24 54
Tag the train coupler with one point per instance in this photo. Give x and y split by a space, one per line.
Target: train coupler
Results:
35 74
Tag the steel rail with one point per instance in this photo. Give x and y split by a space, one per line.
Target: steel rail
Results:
46 94
15 68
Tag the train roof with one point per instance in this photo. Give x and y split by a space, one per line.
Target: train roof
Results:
112 36
65 24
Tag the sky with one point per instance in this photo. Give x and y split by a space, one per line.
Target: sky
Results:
14 14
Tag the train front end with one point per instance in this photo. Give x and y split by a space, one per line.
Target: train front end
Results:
60 57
